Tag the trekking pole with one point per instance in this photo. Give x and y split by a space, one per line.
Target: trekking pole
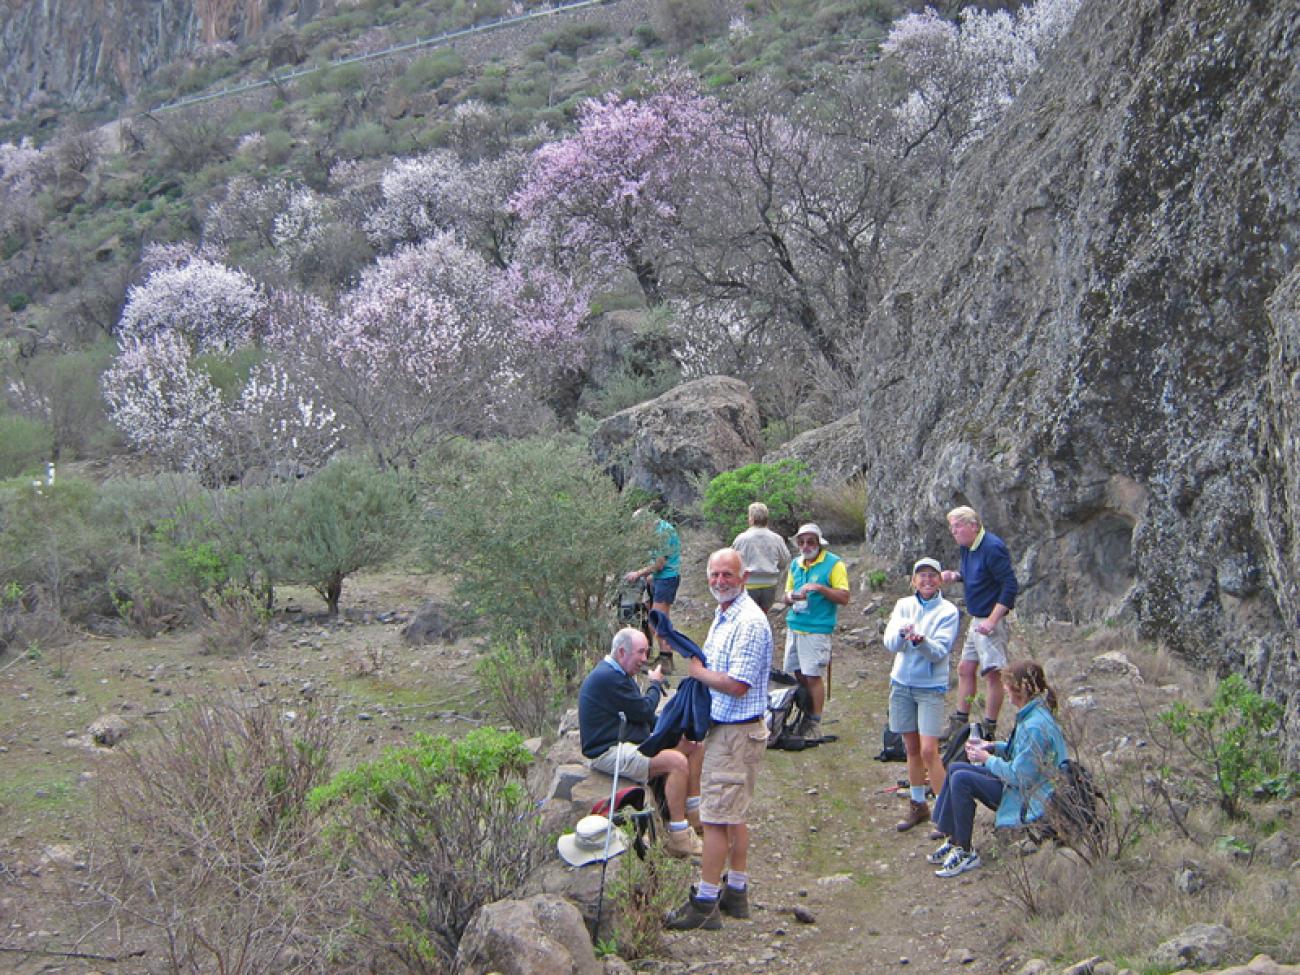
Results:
609 830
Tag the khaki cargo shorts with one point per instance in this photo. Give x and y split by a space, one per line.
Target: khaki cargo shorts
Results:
732 756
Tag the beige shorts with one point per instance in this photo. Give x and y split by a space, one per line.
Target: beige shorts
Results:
807 653
991 650
732 755
632 764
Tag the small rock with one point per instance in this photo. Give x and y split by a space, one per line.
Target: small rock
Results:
804 916
1199 945
1035 966
1189 878
364 716
1081 702
1086 967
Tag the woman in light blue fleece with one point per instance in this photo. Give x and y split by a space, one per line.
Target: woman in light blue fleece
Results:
920 635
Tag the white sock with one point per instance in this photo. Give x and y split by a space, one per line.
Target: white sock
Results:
737 880
918 793
676 826
692 803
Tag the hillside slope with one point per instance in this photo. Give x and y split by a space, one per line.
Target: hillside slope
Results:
1097 348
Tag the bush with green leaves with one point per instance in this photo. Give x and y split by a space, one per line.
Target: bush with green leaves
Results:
643 892
785 487
538 537
524 684
435 830
25 445
1234 742
347 517
53 544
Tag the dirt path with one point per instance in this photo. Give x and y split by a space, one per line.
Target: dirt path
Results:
823 834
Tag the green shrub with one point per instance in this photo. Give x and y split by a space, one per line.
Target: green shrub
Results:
365 140
17 302
785 487
644 891
524 684
538 537
276 147
347 517
25 446
1235 743
427 73
435 830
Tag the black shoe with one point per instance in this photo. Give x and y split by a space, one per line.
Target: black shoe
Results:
809 730
733 902
694 914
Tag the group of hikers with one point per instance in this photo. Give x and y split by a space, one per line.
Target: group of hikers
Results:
708 742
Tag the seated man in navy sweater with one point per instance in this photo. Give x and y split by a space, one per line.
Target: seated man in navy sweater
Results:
610 688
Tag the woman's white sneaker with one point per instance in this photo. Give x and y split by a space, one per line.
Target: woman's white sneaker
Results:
958 862
940 855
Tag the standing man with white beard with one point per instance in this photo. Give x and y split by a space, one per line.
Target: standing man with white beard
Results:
816 587
738 658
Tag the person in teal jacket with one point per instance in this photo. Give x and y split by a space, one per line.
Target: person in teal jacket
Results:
1014 777
816 587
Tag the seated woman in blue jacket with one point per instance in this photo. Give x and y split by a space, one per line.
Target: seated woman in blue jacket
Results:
1014 777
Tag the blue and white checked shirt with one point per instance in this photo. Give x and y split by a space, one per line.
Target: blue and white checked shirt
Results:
739 645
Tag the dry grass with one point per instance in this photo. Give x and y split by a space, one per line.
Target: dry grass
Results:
841 509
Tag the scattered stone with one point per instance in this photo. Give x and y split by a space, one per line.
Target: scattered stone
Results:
1116 663
832 880
108 730
538 936
1035 966
959 956
1199 945
432 623
804 916
1190 878
1086 967
1275 850
1081 702
364 716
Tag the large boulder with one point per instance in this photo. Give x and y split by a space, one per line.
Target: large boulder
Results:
835 453
538 936
689 434
1098 340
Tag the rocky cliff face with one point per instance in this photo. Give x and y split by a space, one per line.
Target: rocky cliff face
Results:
81 51
1099 345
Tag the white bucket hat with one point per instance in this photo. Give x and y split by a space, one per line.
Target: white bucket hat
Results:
586 844
810 529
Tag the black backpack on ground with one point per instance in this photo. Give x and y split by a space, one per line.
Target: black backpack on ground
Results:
891 746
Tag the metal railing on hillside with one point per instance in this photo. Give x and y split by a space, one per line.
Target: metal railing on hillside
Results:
437 41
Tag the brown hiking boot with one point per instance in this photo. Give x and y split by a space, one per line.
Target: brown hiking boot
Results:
693 817
683 843
733 902
917 813
694 914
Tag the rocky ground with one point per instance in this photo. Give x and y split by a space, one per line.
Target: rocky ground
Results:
823 838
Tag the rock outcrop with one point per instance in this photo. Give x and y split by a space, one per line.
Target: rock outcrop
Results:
80 51
689 434
1101 343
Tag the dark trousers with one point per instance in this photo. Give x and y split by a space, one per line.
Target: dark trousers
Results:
954 813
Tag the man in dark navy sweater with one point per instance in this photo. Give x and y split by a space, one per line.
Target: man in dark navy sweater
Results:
990 587
610 688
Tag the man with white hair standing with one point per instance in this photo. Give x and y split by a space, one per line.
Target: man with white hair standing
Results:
989 585
737 660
